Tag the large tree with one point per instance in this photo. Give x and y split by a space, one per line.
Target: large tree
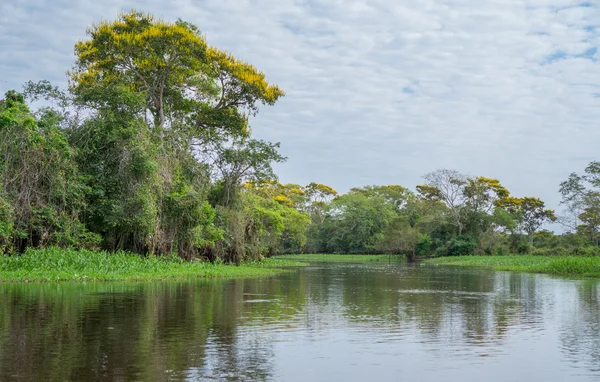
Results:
531 213
448 187
157 97
185 83
354 223
581 196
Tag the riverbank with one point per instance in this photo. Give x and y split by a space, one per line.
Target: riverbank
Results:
340 258
562 266
55 264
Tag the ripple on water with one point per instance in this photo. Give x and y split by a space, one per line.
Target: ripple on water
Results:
333 322
440 291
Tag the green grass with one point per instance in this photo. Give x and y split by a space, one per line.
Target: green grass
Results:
563 266
55 264
339 258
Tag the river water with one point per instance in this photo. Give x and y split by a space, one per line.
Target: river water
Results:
325 322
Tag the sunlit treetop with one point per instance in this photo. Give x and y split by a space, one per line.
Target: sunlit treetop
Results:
239 77
139 51
494 184
170 65
429 192
509 202
290 195
284 200
319 191
529 207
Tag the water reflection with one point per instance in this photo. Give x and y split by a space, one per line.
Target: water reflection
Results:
326 322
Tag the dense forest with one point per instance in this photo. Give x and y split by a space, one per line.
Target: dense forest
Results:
149 149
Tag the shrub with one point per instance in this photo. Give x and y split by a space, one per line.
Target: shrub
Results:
586 251
461 246
441 251
424 245
502 250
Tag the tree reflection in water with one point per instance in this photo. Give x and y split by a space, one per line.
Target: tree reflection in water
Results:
385 318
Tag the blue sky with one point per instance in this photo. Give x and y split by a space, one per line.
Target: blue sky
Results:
379 91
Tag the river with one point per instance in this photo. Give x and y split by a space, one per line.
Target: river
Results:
325 322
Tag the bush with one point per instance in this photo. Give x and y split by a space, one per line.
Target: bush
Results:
586 251
566 251
502 250
441 251
461 246
423 245
523 248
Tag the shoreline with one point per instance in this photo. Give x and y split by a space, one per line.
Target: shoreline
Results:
68 265
339 258
578 266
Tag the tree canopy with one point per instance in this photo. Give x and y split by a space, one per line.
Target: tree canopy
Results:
150 150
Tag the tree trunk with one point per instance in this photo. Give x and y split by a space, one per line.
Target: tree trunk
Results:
531 240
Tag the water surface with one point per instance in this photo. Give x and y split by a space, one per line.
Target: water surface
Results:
326 322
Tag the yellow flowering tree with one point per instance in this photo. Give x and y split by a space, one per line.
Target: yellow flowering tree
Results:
171 67
531 213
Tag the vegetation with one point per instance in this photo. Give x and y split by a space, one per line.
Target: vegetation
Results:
450 215
149 150
564 266
56 264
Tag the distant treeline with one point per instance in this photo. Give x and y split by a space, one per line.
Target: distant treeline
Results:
149 150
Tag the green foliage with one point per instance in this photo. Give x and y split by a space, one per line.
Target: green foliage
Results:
581 196
56 264
461 246
424 245
354 223
150 151
399 237
41 190
529 212
395 195
245 160
124 162
7 225
185 84
566 251
563 266
120 164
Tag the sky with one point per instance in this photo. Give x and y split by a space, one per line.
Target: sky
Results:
380 91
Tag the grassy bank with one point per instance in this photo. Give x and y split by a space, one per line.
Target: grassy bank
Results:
340 258
54 264
563 266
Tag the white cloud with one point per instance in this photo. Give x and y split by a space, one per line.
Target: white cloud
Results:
379 91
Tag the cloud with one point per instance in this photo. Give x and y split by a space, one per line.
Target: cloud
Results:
382 92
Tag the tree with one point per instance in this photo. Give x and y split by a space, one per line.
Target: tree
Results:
394 194
581 196
590 217
354 223
448 187
41 192
399 238
531 213
482 194
159 100
185 83
244 160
